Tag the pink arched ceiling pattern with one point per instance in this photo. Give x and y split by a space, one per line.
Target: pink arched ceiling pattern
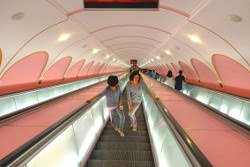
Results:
93 68
97 69
172 69
100 70
191 76
103 70
206 76
108 69
156 68
74 70
24 74
85 70
235 78
176 68
164 70
54 75
0 57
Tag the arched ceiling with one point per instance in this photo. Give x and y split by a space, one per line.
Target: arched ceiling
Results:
114 37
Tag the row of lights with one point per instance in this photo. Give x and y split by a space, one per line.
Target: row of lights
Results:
66 36
194 38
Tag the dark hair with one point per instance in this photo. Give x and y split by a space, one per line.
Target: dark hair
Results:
180 72
112 80
133 74
169 75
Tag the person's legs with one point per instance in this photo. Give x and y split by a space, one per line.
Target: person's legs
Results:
121 120
132 116
113 119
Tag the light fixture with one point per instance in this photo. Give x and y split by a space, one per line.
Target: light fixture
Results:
63 37
235 18
157 57
95 50
168 52
152 60
194 38
113 59
108 56
177 47
18 16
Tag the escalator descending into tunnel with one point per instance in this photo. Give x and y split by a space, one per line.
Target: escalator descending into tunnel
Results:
132 150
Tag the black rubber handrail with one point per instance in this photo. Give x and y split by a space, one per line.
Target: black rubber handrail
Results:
199 156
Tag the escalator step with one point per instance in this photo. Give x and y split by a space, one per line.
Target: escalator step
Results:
123 146
138 123
110 138
109 163
127 133
127 128
122 155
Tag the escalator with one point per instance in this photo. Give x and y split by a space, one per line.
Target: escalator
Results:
85 138
132 150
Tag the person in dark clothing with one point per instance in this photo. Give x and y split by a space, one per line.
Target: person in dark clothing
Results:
169 74
178 81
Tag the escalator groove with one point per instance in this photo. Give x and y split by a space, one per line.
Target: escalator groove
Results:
133 150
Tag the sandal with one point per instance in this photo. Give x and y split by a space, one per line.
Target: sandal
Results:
121 133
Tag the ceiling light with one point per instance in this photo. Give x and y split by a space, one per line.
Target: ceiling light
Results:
108 56
177 47
194 38
113 59
235 18
18 16
63 37
157 57
168 52
95 50
152 60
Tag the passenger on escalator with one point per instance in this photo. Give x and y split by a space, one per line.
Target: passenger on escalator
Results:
134 95
114 103
169 80
178 81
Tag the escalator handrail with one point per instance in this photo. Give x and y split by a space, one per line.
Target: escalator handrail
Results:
181 134
26 150
16 113
241 126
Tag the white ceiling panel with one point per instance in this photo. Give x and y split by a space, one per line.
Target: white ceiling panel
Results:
187 6
216 17
14 34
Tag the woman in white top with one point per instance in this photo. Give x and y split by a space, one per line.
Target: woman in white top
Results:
169 80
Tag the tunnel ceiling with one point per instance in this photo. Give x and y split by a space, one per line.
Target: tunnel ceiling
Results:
178 31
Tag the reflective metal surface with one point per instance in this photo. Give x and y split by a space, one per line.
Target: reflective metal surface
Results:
75 141
14 102
233 106
167 152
